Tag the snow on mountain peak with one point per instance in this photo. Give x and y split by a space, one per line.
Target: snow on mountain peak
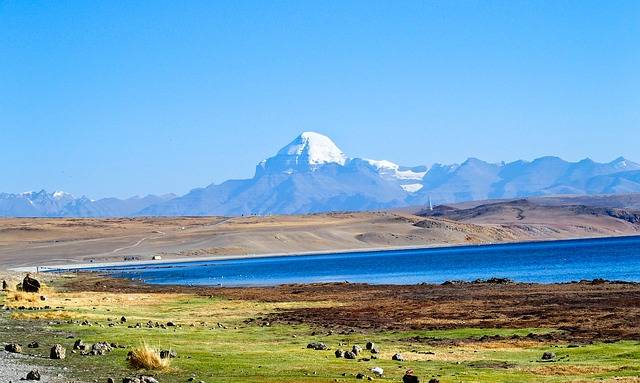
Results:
307 152
314 149
61 194
382 164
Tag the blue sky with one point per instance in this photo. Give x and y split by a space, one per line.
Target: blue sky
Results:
113 98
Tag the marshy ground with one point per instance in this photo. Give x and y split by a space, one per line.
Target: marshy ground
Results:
480 332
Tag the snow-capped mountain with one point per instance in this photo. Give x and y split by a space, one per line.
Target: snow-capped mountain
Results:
308 152
312 174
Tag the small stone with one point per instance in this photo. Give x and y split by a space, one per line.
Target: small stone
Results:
166 354
548 356
339 353
434 380
33 375
397 357
356 349
370 345
410 378
33 345
317 346
349 355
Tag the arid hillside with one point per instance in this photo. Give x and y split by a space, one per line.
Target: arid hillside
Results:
29 241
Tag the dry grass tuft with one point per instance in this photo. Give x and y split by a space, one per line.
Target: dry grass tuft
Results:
148 358
21 296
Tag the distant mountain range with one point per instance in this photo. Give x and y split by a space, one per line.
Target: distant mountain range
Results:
311 174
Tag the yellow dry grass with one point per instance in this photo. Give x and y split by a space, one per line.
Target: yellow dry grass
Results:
22 297
147 358
49 315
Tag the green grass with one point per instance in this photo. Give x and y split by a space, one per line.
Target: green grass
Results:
244 352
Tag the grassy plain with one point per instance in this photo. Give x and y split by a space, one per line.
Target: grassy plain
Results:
221 338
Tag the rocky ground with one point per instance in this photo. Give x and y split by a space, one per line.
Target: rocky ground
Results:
16 367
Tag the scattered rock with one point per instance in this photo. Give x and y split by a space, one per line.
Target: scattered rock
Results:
123 319
79 345
349 355
148 379
131 380
33 344
33 375
548 356
317 346
339 353
360 376
170 324
356 349
13 347
378 371
110 380
375 350
5 286
434 380
57 352
370 345
397 357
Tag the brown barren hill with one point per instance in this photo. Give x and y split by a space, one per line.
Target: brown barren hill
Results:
48 241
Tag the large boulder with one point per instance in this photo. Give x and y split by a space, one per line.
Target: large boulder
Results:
30 285
57 352
13 347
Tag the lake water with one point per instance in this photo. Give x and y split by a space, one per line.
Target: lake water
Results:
557 261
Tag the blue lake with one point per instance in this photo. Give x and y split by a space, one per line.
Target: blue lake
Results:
557 261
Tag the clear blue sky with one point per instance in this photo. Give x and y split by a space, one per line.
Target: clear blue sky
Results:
115 98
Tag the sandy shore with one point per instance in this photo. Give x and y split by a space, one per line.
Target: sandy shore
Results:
95 265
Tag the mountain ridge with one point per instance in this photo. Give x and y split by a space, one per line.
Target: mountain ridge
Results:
312 174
